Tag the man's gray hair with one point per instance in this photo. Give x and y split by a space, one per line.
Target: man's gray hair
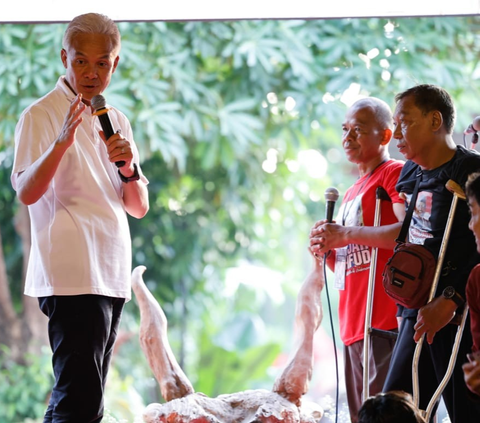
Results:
92 23
381 110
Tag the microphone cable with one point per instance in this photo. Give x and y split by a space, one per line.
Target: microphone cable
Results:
333 335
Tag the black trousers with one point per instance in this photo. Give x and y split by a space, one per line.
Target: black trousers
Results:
432 367
82 330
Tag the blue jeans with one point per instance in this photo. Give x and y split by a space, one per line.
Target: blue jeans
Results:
82 330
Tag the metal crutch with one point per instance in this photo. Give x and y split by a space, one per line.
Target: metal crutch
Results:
458 193
381 195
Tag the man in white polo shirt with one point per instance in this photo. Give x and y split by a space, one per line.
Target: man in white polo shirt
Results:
78 198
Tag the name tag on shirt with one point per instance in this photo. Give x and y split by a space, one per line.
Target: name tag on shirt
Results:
340 266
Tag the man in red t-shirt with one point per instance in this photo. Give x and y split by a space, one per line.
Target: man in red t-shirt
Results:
367 130
471 370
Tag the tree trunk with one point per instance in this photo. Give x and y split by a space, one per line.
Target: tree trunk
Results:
35 322
26 331
10 327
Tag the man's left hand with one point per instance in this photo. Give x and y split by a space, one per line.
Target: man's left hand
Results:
433 317
471 374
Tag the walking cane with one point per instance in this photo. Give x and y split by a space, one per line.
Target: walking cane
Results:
381 195
458 193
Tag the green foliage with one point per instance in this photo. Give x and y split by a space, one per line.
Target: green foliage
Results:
12 247
235 345
123 403
25 388
225 371
30 63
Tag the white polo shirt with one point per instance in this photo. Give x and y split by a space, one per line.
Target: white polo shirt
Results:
80 235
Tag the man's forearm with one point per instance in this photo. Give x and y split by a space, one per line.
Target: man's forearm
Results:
135 198
374 236
35 180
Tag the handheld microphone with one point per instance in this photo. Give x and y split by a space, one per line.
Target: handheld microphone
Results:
99 104
331 196
473 127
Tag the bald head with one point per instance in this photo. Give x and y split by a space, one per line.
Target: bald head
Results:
380 110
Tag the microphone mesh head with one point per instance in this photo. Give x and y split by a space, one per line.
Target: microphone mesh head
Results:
331 194
476 123
98 102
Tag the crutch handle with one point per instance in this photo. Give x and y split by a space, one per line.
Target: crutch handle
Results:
455 189
381 194
384 334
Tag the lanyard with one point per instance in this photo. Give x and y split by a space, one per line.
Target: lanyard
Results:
346 210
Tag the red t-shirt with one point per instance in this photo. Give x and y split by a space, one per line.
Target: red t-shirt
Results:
358 209
473 300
